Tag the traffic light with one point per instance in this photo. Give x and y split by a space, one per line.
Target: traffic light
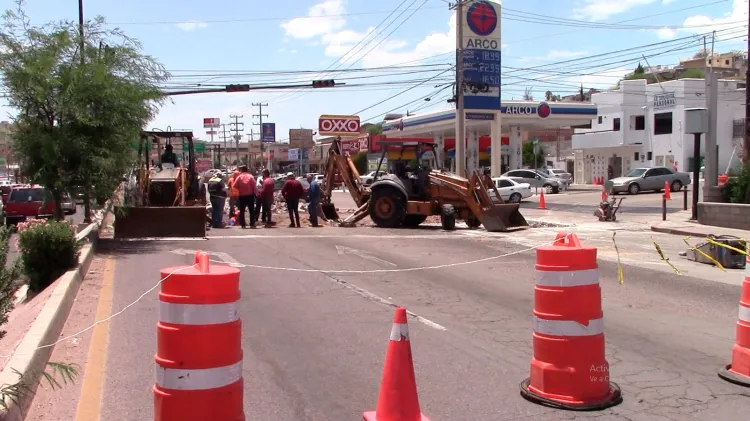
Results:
323 83
238 88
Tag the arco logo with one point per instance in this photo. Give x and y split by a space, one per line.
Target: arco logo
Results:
543 110
482 18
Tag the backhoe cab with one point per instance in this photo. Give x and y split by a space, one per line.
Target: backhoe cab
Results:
408 196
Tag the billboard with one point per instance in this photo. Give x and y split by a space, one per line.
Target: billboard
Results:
294 154
301 138
481 55
211 123
338 125
268 133
253 146
354 145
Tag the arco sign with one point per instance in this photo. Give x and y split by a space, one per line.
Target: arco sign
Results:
338 125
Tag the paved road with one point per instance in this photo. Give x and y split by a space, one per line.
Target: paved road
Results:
314 343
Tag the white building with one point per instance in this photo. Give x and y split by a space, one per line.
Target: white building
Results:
640 125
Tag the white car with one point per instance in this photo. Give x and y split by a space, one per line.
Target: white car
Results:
369 178
510 190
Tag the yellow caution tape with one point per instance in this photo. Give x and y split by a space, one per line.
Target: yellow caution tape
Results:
665 258
726 246
695 249
620 276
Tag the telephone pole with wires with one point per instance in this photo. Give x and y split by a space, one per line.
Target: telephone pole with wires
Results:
746 154
224 136
237 127
260 116
460 115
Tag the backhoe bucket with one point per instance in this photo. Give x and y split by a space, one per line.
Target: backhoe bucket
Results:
502 218
329 211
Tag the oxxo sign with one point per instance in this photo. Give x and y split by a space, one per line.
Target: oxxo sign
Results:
338 125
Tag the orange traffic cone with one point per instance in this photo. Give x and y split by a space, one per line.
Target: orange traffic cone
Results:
542 203
667 193
398 400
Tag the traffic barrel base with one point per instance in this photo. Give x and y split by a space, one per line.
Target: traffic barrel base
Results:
613 398
727 374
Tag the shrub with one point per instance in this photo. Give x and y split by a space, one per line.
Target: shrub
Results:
9 276
48 250
737 189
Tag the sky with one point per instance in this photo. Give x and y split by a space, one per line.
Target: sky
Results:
555 45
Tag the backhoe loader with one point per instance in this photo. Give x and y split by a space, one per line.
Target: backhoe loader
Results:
407 197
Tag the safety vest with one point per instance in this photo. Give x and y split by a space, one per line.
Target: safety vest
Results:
233 192
214 185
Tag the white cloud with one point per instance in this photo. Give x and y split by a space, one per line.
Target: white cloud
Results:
666 33
597 10
602 80
734 19
191 26
325 18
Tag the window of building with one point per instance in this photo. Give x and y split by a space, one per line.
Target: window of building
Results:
636 156
639 122
662 123
616 124
726 61
599 120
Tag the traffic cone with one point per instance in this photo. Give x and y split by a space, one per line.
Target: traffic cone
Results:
667 193
398 400
542 203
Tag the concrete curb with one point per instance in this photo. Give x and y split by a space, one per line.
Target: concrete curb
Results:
677 231
29 361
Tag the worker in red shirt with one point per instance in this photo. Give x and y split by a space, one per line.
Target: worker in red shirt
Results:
292 192
266 196
245 185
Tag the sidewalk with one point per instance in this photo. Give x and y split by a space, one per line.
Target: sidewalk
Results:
694 229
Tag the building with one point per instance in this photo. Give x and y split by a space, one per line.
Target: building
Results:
727 65
640 125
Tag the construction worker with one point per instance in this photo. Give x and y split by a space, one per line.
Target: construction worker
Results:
292 192
313 200
233 193
218 191
169 157
266 196
245 184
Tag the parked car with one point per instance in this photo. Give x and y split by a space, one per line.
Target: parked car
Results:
68 204
566 177
370 177
648 179
535 179
511 190
33 202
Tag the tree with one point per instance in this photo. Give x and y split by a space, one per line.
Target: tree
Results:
549 96
375 129
692 74
702 53
528 95
639 70
529 155
75 120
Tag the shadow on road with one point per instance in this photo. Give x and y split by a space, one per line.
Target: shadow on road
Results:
117 247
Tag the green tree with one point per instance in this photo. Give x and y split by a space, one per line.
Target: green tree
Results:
692 74
76 116
529 155
375 129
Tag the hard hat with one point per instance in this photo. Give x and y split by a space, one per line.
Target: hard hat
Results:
290 174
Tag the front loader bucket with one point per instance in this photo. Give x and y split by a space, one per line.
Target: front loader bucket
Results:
502 218
329 211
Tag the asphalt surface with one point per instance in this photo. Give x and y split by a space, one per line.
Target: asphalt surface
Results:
314 343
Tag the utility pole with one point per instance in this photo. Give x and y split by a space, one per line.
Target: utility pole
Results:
260 116
746 154
460 116
224 137
82 47
237 128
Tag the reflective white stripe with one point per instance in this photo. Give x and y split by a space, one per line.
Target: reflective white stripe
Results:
198 314
744 314
568 327
400 332
571 278
206 379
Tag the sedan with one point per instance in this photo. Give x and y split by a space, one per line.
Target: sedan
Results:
648 179
510 190
535 179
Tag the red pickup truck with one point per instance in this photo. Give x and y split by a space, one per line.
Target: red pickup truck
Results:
32 202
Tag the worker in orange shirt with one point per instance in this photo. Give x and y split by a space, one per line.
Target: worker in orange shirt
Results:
233 194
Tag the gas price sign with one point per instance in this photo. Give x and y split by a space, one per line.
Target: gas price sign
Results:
482 66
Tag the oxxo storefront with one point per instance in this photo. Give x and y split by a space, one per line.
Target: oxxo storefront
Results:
485 130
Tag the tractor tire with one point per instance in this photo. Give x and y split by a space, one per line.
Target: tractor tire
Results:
448 217
474 223
387 207
413 220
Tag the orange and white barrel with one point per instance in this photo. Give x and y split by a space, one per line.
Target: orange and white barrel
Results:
199 348
738 372
569 369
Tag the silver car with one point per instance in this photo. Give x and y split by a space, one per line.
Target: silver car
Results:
535 179
648 179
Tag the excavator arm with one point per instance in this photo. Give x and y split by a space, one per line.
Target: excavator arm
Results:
337 163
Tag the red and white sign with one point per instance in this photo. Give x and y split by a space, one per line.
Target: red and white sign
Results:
211 132
203 165
211 123
354 146
338 125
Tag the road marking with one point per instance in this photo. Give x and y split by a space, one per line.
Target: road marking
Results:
132 240
89 404
378 299
300 237
224 257
342 250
